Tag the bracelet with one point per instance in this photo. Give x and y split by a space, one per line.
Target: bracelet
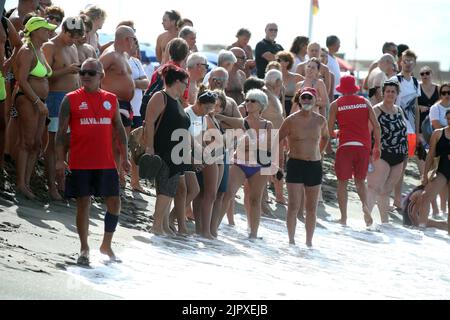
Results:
36 102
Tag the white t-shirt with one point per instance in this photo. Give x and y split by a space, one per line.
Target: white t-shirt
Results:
437 112
407 100
137 71
333 65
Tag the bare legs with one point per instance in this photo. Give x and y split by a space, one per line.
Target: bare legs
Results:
431 190
399 186
361 189
31 128
161 215
381 183
296 192
50 165
82 221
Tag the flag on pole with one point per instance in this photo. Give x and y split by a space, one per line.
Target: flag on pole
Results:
315 6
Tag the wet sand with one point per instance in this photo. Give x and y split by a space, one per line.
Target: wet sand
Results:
39 243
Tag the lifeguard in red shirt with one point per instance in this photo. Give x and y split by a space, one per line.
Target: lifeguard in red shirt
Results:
353 115
93 116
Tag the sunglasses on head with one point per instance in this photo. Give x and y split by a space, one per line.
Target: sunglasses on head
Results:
250 100
444 93
425 73
91 73
306 97
208 94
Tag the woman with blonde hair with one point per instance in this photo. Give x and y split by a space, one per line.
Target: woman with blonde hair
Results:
32 72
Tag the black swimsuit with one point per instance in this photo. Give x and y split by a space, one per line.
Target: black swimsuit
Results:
394 147
443 151
423 100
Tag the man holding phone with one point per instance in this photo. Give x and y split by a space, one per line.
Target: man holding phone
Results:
62 56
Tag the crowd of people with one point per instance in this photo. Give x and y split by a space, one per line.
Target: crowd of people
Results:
262 117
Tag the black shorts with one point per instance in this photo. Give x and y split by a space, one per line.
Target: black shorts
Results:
165 184
126 120
308 173
98 183
392 159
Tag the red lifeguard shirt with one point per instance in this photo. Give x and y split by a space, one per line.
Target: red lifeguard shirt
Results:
353 120
91 117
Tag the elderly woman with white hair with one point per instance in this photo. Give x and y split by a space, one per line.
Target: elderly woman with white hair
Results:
248 163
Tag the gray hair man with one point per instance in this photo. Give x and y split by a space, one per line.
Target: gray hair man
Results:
196 66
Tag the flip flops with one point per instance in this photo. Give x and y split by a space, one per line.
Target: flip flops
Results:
149 166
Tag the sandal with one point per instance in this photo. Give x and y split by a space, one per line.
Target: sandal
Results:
149 166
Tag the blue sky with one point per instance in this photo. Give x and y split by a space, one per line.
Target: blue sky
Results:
423 25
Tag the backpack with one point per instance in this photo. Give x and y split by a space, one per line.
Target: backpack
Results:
155 86
427 128
400 78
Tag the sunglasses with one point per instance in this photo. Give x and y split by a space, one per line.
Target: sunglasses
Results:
250 100
56 18
91 73
219 79
306 97
425 73
444 93
273 30
203 64
208 94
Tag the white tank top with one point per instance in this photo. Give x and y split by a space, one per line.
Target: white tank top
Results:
198 123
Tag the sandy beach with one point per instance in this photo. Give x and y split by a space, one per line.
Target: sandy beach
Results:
39 243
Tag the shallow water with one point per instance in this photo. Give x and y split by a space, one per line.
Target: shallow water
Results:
345 263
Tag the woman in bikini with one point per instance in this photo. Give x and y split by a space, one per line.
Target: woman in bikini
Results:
31 71
247 165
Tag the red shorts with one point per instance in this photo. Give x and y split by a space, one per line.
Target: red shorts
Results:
352 161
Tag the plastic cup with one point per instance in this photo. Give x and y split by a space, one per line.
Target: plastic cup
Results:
412 139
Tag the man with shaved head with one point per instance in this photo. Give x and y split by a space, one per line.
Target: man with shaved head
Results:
18 14
314 50
378 76
237 77
118 78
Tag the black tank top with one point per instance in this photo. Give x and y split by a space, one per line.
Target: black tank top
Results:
393 133
443 147
423 100
443 151
173 118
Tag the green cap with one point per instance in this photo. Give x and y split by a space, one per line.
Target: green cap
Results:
36 23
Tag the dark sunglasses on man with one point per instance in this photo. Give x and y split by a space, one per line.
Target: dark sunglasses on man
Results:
91 73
